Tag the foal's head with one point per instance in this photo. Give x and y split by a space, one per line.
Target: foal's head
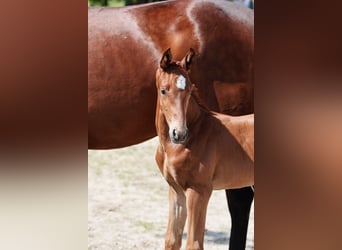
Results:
174 90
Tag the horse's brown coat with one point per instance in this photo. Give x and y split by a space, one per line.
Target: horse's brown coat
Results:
199 151
124 47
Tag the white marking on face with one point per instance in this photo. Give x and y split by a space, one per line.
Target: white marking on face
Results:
181 82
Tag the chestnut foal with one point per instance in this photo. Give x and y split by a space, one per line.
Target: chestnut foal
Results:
199 151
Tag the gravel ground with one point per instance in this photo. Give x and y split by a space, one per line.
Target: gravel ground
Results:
128 203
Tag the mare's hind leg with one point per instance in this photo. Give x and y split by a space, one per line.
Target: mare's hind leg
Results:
177 218
239 203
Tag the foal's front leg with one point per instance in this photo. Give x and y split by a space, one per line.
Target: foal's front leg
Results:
177 218
197 203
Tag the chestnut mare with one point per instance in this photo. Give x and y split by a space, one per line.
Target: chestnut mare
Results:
124 49
199 151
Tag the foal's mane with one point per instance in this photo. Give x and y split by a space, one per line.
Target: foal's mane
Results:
196 95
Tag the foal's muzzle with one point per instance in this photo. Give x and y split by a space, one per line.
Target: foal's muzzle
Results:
178 136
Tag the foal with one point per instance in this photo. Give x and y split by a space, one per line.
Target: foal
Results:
198 151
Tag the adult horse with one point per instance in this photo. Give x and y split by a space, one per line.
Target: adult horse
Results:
124 48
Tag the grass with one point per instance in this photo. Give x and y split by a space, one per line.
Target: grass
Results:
148 226
111 3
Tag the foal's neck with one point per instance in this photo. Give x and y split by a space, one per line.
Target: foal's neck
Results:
196 110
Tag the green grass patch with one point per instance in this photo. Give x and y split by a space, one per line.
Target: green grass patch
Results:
111 3
148 226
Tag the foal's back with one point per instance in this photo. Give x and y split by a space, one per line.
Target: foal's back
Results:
242 128
234 150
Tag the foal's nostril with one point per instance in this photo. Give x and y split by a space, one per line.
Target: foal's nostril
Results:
174 134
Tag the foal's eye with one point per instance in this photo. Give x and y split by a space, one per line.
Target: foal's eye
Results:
163 92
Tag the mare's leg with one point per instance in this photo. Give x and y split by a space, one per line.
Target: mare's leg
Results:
177 218
197 202
239 203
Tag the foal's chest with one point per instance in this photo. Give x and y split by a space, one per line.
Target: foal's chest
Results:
179 167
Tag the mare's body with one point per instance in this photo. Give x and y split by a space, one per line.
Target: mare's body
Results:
124 48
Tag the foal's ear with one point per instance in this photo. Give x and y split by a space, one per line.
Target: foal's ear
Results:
187 60
166 59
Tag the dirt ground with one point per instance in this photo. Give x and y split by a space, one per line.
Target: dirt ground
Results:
128 205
